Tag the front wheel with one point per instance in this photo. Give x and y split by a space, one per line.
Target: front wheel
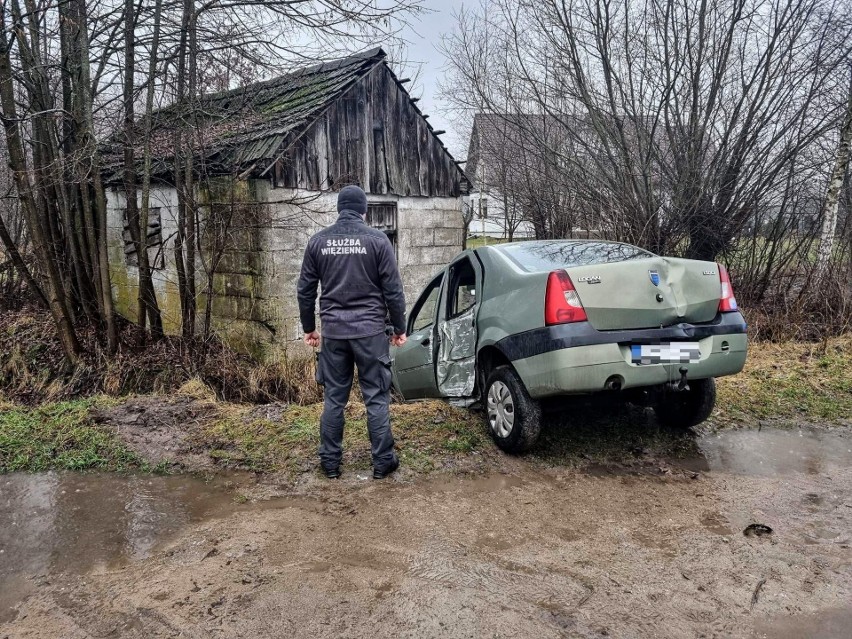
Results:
513 417
687 408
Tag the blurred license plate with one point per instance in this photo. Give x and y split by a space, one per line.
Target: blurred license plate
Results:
676 352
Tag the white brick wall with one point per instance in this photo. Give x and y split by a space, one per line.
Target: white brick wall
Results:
429 236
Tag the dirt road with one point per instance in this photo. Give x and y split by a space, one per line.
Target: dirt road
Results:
652 550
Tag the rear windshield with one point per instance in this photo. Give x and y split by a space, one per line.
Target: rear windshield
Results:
547 256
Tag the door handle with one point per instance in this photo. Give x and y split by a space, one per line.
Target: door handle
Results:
425 342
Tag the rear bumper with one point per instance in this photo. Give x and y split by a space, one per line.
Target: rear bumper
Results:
575 358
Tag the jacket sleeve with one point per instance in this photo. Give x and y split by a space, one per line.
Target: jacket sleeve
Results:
306 290
392 286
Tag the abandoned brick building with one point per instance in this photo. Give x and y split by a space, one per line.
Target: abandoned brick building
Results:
271 157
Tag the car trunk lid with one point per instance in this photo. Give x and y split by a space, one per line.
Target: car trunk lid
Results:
647 293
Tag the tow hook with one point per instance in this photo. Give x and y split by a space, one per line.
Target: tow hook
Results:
682 384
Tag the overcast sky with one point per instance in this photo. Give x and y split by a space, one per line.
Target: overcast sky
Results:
424 37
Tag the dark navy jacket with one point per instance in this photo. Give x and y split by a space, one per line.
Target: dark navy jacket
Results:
356 268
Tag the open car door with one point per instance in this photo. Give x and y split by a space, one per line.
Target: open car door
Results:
414 362
457 330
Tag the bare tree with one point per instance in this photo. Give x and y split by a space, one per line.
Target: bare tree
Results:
9 243
33 213
72 72
147 308
831 205
679 119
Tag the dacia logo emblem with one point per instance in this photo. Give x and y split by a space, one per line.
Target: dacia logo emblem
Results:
655 277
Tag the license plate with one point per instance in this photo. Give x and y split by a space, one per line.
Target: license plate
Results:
676 352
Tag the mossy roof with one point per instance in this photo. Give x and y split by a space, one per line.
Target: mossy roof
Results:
245 126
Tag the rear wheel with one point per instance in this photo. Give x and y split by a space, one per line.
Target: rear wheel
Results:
513 417
687 408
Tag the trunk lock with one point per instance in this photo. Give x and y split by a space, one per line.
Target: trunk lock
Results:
659 297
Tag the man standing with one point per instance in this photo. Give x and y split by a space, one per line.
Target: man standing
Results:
356 269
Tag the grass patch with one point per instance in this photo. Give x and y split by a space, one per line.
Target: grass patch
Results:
237 439
60 436
428 434
794 381
791 380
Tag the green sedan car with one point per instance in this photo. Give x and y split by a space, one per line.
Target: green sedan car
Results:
513 328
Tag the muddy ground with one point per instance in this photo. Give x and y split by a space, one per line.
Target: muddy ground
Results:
654 548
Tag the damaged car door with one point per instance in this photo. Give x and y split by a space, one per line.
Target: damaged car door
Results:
414 362
457 330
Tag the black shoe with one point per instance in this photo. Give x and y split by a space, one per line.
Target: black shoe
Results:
381 474
332 473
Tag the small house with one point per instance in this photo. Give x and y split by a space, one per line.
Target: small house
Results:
269 159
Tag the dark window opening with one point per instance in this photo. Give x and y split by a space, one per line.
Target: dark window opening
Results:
382 216
156 259
483 208
462 291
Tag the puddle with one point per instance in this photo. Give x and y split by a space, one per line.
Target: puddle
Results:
473 486
66 522
826 624
774 452
80 523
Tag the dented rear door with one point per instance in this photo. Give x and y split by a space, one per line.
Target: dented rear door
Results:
457 329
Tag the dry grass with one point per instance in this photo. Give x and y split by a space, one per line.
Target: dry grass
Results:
811 314
195 388
795 381
786 379
32 369
791 380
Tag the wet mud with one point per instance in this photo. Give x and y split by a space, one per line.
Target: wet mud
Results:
526 550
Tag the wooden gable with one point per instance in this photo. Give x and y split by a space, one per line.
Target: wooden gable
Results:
373 136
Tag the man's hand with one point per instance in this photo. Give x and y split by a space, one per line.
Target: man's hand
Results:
399 340
312 339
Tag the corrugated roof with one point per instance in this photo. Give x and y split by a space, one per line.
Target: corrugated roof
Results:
247 125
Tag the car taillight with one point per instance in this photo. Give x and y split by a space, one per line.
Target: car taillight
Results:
727 301
561 302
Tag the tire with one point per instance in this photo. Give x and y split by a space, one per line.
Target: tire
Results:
512 416
685 409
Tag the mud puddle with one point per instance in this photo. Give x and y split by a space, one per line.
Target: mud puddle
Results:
526 552
67 522
773 452
92 523
830 624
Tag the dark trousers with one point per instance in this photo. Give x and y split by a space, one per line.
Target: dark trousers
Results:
335 371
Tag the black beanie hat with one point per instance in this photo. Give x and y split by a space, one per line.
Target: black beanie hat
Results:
352 198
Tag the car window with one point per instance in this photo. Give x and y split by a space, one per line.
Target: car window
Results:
463 290
549 255
423 313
